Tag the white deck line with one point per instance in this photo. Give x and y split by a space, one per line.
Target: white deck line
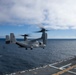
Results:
54 63
53 67
72 72
65 66
13 73
22 72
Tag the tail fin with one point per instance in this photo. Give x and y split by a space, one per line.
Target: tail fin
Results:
7 39
44 38
12 38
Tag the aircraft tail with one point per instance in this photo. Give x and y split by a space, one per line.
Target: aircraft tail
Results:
44 37
12 38
7 39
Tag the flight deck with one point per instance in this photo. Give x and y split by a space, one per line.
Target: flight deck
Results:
65 67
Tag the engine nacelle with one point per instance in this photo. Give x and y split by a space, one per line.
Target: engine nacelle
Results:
7 39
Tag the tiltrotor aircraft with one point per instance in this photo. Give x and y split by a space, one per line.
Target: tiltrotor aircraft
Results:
35 43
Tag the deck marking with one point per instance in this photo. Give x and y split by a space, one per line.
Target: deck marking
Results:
22 72
65 70
72 72
13 73
53 67
65 66
54 63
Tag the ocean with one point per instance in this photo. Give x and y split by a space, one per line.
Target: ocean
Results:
13 58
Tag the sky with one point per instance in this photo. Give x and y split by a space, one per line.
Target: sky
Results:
26 16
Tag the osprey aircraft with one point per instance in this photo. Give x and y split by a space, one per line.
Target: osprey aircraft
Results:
35 43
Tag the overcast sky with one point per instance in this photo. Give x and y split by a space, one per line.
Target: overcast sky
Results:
24 16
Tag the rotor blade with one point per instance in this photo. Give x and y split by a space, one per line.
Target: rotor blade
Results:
25 35
42 30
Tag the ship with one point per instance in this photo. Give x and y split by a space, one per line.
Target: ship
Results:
64 67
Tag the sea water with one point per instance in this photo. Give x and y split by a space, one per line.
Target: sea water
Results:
13 58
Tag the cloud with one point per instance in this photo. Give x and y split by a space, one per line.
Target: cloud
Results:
54 14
